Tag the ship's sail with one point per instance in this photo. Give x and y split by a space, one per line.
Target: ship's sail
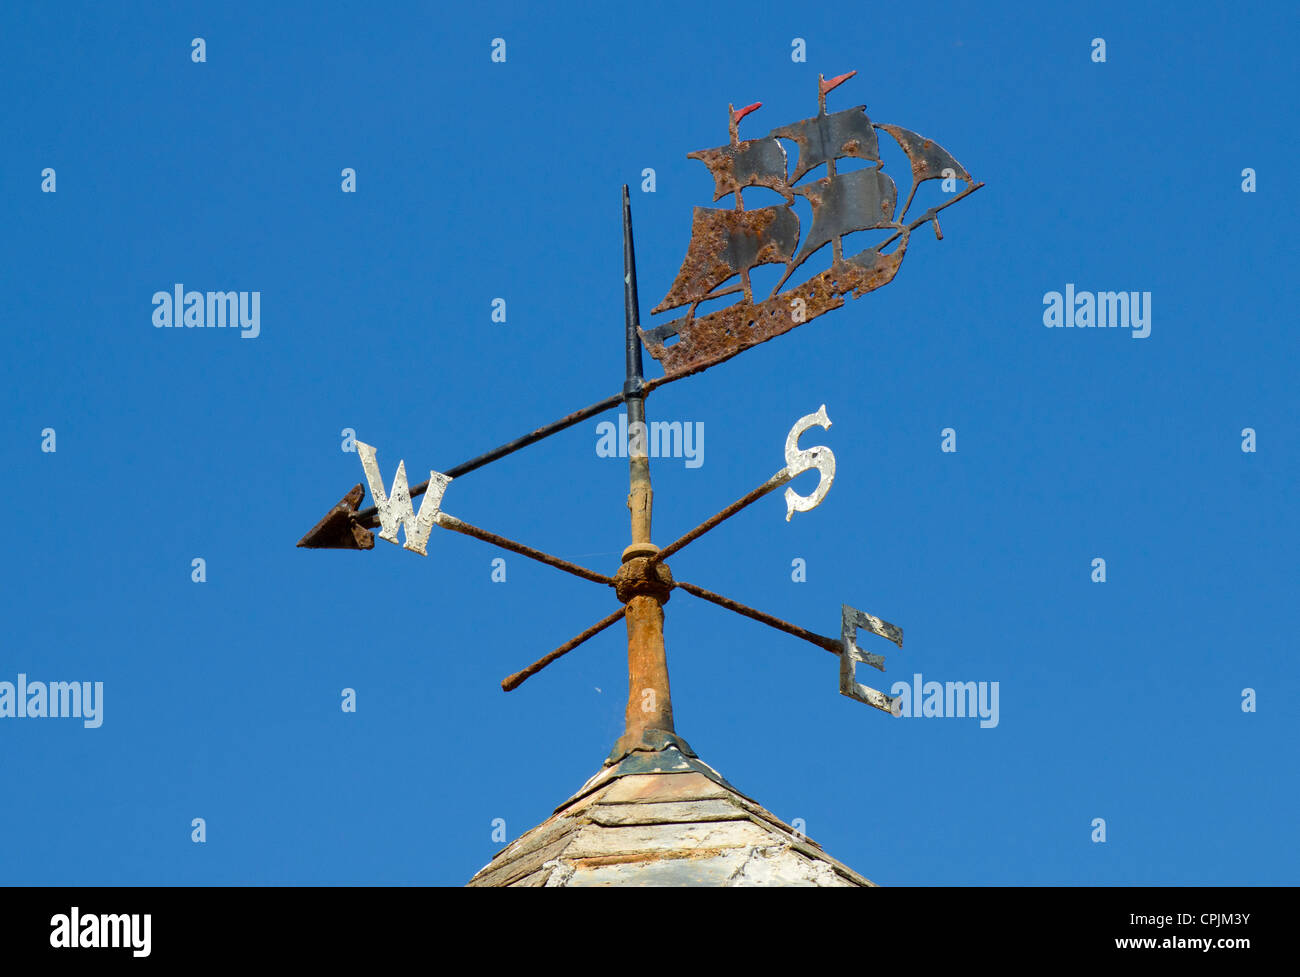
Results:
833 136
752 163
727 242
927 157
929 160
856 201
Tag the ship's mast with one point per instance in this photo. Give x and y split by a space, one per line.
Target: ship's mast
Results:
824 86
734 118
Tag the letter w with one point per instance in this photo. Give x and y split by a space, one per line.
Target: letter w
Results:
396 510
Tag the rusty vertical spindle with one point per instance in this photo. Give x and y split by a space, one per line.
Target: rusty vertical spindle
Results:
649 705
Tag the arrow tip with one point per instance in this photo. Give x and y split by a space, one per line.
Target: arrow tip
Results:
338 530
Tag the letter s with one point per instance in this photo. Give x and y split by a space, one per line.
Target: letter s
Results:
798 461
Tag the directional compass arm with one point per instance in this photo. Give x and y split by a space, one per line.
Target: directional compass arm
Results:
797 462
512 682
456 525
370 517
846 648
334 530
832 645
771 485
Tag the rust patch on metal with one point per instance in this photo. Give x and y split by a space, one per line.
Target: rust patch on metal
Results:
927 157
339 529
929 161
727 242
828 137
649 700
752 163
645 586
720 335
644 576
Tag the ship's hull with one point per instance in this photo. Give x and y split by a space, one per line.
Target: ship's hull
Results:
722 334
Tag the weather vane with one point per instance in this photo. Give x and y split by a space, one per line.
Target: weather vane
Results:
725 243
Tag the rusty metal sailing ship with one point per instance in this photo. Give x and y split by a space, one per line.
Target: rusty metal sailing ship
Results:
729 242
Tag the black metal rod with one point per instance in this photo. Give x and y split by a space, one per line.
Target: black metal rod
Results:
512 682
369 517
640 495
631 305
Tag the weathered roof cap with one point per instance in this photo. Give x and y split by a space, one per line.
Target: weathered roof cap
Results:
663 818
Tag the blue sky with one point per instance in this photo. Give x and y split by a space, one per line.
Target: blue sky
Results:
479 180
